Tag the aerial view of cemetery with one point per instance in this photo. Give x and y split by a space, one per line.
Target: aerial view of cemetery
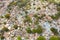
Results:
29 19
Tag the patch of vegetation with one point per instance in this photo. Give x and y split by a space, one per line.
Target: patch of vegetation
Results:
41 38
1 17
29 30
1 37
4 22
22 3
12 4
19 3
27 7
39 17
56 16
53 1
36 16
54 30
38 30
42 0
5 29
34 30
27 19
36 22
38 8
15 26
54 38
7 16
1 32
19 38
58 7
43 15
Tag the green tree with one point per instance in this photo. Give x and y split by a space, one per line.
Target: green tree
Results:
58 7
7 16
19 38
59 38
27 19
35 15
1 17
29 30
56 16
15 26
22 3
18 3
55 31
5 29
34 31
54 38
41 38
39 29
36 22
53 17
1 37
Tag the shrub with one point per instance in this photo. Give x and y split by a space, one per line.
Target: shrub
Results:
29 30
36 22
41 38
5 29
34 31
59 38
55 31
38 8
27 19
58 8
54 38
7 16
22 3
39 29
15 26
19 38
4 22
35 15
1 37
56 16
1 17
1 32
